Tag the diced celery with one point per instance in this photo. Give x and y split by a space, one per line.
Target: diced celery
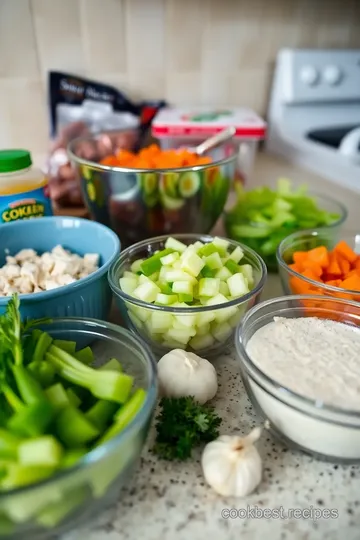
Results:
129 274
237 254
224 314
198 245
141 313
74 429
160 321
166 299
44 451
188 319
204 318
101 413
238 285
73 397
85 355
57 396
201 342
232 266
207 250
153 263
143 279
216 300
43 343
169 259
247 271
179 275
154 277
222 331
173 344
177 324
183 287
146 292
176 265
188 251
22 475
209 286
22 507
193 264
128 285
224 288
162 274
136 266
68 346
174 244
207 272
32 420
223 274
55 512
213 261
112 365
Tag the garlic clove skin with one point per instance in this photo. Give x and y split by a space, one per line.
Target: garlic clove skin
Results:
183 373
231 465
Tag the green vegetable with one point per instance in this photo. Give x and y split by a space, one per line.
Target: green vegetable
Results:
101 413
182 425
262 217
86 356
44 451
153 264
73 428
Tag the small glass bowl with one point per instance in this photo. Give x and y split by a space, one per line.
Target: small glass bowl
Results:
295 283
265 243
66 500
223 318
326 431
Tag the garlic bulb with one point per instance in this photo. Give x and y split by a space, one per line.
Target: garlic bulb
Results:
183 373
232 465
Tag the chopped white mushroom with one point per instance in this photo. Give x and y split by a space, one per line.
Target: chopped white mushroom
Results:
28 272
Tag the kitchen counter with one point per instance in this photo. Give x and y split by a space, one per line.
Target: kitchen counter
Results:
170 501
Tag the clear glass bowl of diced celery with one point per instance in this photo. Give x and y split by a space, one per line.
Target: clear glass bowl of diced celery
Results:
66 456
263 217
188 291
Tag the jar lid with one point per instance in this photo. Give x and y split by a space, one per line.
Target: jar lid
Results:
14 160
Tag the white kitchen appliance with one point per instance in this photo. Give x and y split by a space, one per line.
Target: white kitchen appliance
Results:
314 112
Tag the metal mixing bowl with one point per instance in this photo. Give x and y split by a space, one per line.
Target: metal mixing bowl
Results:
142 203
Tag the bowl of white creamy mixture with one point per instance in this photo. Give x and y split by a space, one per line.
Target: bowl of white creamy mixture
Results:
300 364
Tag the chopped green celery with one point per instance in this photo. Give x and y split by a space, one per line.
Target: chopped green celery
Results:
136 266
73 398
182 287
170 259
111 365
153 264
185 297
6 525
175 245
69 359
43 343
85 355
166 299
8 444
101 413
43 372
192 264
208 249
21 508
238 285
147 292
214 261
72 456
55 512
43 451
109 385
68 346
73 428
209 286
232 266
29 388
125 415
32 420
247 271
22 475
248 231
207 272
58 396
236 255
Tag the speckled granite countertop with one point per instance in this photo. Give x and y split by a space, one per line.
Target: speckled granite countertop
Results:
169 501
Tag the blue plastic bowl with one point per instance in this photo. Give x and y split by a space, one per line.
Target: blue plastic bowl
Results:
88 297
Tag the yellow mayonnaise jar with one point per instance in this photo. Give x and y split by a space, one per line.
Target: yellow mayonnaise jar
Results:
24 191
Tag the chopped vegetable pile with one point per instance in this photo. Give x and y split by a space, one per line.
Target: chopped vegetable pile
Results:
339 267
183 276
182 425
54 408
153 157
262 218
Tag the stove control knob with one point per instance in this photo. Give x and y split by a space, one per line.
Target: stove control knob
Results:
332 75
309 75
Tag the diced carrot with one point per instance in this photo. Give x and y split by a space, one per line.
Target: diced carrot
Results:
351 284
295 267
308 273
333 266
313 266
299 257
357 264
344 265
299 286
334 282
345 251
319 255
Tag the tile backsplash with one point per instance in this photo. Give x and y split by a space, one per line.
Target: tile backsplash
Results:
186 51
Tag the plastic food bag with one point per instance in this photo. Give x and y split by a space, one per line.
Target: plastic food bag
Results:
80 107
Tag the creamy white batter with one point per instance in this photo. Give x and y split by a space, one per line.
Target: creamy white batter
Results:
317 358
